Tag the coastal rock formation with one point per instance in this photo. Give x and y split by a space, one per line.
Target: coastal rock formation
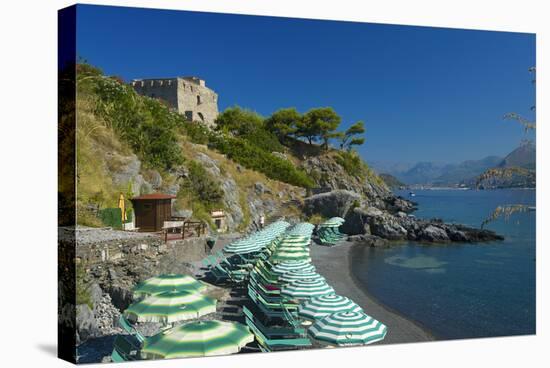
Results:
86 324
400 226
334 203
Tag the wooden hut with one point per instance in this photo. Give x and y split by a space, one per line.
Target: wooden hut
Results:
151 210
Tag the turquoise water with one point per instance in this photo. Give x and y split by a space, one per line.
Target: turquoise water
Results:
460 290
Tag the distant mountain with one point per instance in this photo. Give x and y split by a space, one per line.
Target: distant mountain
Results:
524 156
466 172
423 173
462 172
391 181
439 174
516 170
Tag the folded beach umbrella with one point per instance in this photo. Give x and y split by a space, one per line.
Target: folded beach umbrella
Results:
168 282
282 254
300 275
171 306
305 289
347 328
242 248
331 223
295 242
322 306
194 339
287 266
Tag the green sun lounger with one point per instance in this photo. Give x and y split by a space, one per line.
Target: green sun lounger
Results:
127 326
125 348
279 331
267 344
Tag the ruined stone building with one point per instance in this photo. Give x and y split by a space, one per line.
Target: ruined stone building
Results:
187 95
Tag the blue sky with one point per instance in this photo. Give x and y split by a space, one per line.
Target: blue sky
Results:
425 94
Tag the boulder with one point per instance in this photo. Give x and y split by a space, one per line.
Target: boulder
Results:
387 227
86 324
357 222
260 188
121 297
434 234
334 203
96 294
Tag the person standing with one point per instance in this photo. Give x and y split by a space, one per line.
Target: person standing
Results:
262 221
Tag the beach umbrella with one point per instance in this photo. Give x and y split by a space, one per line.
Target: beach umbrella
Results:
242 248
300 275
170 307
330 223
290 254
301 241
305 289
347 328
287 266
322 306
194 339
122 206
168 282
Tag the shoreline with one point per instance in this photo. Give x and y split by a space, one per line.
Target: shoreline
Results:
329 262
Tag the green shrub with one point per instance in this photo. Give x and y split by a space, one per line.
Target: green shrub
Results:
250 155
111 217
146 124
255 158
352 163
82 287
250 126
202 187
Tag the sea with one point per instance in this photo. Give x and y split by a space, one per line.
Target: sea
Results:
460 290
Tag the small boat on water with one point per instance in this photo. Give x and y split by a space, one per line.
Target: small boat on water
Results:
532 208
412 194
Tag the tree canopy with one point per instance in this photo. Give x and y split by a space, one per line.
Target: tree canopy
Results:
350 137
283 123
319 124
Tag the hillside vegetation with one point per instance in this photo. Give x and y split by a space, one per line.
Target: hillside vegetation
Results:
132 144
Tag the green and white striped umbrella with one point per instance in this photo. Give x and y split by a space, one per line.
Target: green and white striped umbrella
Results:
347 328
331 223
337 219
295 242
194 339
322 306
305 289
169 282
171 306
282 254
300 275
242 248
287 266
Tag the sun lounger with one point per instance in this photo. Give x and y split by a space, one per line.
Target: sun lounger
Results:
267 344
127 326
279 331
125 349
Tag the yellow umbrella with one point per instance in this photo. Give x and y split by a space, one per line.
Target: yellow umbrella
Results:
122 207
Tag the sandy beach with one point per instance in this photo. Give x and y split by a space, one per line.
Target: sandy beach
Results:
334 264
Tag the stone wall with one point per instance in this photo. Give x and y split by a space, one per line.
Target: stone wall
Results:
164 89
196 101
187 95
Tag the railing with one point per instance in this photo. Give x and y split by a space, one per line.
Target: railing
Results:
182 226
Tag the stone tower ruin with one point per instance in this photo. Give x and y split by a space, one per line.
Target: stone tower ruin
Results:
187 95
